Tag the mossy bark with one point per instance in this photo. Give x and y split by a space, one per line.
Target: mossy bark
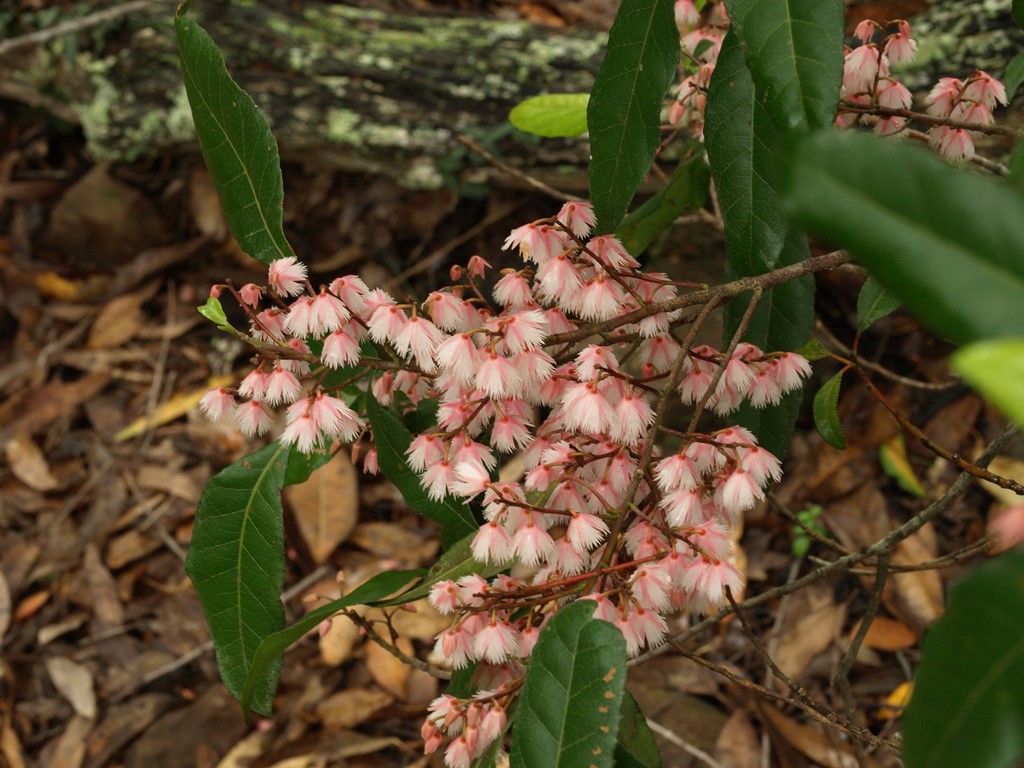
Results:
353 87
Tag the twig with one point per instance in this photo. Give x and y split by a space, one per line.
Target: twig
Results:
515 172
886 544
799 691
687 747
720 293
429 261
931 445
812 709
748 313
882 370
394 650
921 117
841 678
811 533
76 25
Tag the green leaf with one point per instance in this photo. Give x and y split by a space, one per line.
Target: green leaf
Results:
635 747
1014 75
456 562
873 303
826 415
214 312
236 563
950 244
688 188
624 114
569 706
968 701
739 137
393 440
1018 12
552 115
794 49
996 369
273 646
813 350
302 465
236 143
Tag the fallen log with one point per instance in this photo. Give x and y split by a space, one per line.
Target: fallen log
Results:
362 89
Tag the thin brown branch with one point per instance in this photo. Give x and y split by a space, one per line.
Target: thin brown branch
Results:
880 369
516 173
720 294
953 458
922 117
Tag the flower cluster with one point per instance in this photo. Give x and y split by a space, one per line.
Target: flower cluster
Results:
868 83
701 42
560 361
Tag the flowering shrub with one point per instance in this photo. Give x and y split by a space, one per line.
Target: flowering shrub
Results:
573 356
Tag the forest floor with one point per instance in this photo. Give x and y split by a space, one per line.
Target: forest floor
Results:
106 658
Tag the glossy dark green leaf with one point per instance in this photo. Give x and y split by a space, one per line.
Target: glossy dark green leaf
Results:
302 465
950 244
236 563
874 303
624 114
968 701
236 143
569 706
826 414
635 747
273 646
739 137
687 189
794 49
552 115
740 140
1018 12
393 440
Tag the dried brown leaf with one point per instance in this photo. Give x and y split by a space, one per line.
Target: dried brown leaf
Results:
738 745
28 463
824 749
887 634
389 540
56 398
29 605
5 607
349 708
10 745
204 205
68 749
339 642
916 596
123 722
388 671
175 482
422 622
118 321
326 507
75 683
812 633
